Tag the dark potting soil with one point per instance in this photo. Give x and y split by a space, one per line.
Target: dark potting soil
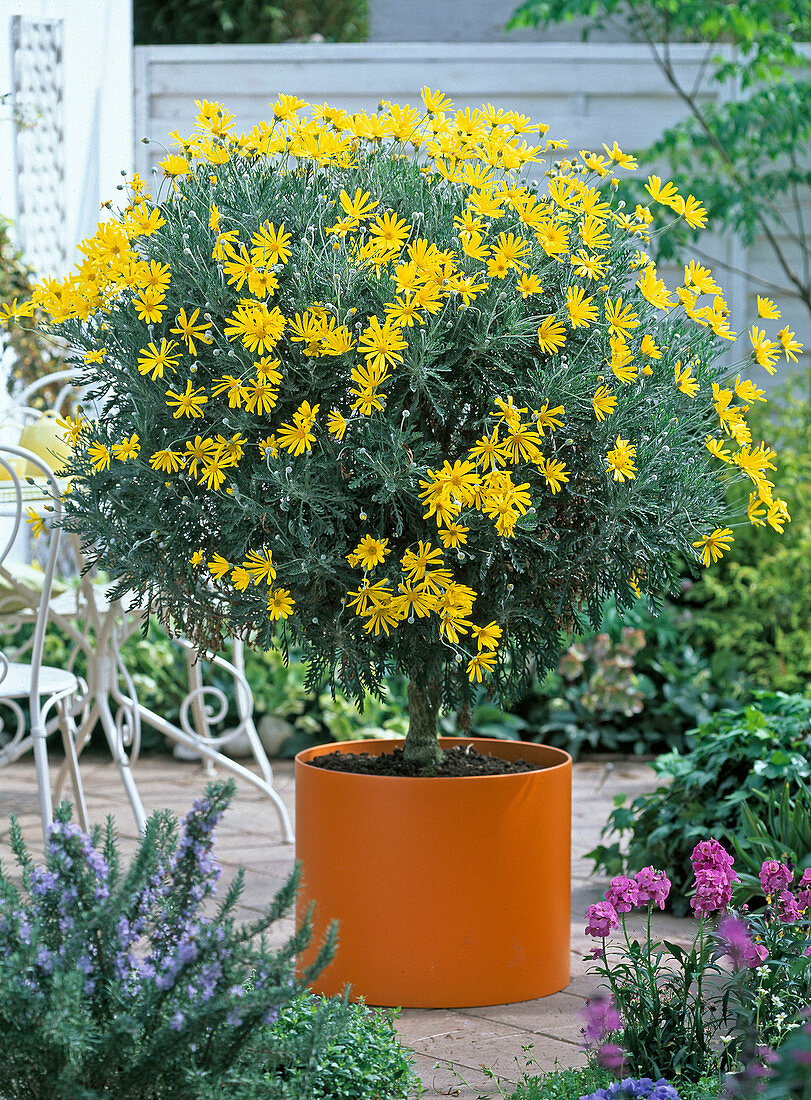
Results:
458 762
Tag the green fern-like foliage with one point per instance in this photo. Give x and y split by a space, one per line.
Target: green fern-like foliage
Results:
363 386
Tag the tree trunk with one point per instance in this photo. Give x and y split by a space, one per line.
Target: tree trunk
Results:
421 744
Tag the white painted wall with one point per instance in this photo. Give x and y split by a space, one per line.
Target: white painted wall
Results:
97 103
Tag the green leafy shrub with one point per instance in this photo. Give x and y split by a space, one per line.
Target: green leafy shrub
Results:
128 984
597 690
362 1058
202 22
703 790
751 616
633 686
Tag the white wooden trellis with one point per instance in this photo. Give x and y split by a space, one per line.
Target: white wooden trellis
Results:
66 121
38 103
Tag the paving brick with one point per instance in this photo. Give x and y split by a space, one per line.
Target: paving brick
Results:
447 1044
555 1016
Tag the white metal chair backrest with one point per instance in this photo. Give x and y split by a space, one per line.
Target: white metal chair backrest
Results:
69 388
16 495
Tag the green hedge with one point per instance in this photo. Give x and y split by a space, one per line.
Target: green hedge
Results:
211 22
751 614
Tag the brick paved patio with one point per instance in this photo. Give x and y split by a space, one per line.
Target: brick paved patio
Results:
447 1045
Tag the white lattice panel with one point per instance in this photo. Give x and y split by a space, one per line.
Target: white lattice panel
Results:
38 84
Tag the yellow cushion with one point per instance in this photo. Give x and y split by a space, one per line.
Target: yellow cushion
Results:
43 438
30 577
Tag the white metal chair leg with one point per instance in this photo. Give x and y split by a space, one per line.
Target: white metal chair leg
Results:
267 773
195 679
193 742
43 778
80 738
245 706
68 731
113 735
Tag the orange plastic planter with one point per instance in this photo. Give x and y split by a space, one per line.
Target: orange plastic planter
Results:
449 892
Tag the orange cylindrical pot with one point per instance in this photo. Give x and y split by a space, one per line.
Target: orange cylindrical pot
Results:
449 893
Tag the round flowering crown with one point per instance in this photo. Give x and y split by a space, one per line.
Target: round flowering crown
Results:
405 390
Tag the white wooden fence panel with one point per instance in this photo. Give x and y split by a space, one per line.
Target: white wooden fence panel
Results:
593 93
588 93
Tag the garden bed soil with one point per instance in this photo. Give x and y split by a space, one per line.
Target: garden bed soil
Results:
458 762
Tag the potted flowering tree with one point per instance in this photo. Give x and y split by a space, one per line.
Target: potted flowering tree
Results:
369 390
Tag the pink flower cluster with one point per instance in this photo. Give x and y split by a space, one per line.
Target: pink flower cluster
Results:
623 895
775 882
714 881
652 886
712 866
601 919
774 877
738 944
601 1019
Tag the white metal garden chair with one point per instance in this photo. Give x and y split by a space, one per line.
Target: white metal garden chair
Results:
49 690
98 629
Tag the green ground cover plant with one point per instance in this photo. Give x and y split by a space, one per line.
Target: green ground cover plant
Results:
359 1058
561 1084
703 790
574 1084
